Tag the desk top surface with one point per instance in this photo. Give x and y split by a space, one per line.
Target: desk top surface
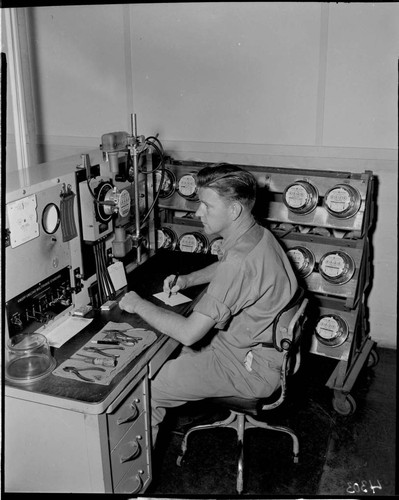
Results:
146 280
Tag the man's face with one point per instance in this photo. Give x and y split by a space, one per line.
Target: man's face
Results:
214 211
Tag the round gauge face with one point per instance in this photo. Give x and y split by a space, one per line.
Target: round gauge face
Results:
215 246
166 238
300 197
342 201
124 203
337 267
332 330
303 260
192 243
50 218
168 183
187 186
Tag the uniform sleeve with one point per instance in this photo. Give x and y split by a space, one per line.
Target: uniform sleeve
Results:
227 293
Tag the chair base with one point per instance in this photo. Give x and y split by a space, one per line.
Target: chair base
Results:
240 422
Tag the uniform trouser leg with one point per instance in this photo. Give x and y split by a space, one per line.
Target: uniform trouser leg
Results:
190 377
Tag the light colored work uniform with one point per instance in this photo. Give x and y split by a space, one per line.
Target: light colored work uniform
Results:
253 282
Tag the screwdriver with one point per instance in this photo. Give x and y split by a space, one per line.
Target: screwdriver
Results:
98 361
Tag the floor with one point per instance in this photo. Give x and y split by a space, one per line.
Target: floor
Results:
340 455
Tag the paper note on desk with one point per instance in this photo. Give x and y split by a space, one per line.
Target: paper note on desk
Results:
60 332
174 300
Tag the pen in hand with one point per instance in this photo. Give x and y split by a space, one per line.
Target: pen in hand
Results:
173 284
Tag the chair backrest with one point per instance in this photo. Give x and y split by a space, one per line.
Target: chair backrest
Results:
288 328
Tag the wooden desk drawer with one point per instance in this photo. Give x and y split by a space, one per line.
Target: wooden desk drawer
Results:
126 414
132 449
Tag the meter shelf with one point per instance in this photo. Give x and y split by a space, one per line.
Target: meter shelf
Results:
330 266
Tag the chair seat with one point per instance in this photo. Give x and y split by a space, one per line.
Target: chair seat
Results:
250 406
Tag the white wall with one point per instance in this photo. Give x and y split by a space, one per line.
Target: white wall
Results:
284 84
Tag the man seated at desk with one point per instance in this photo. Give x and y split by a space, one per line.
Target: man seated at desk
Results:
248 286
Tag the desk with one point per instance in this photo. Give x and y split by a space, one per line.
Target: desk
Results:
63 435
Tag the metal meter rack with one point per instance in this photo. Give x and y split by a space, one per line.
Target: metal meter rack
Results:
323 220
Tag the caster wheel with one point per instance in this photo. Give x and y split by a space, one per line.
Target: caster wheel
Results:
296 459
373 359
344 405
180 460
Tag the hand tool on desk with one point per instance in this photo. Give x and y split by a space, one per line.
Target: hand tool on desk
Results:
97 361
76 371
101 351
122 337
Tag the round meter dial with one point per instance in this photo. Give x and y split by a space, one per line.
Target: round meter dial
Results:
187 186
166 238
103 195
337 267
301 197
332 330
342 201
193 243
215 246
302 259
51 218
168 183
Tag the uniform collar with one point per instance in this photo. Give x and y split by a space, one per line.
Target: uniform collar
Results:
244 226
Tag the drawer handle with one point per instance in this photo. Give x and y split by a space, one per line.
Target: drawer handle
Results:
135 452
132 416
139 481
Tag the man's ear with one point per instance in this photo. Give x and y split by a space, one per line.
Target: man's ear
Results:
236 209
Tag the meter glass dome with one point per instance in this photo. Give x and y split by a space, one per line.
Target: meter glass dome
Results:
166 238
193 243
302 259
168 183
332 330
342 201
187 186
300 197
337 267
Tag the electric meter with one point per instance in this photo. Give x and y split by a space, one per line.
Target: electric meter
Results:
337 267
166 238
301 197
51 218
342 201
168 183
193 243
215 245
187 186
302 259
332 330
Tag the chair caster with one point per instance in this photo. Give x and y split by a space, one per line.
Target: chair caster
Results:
180 460
296 459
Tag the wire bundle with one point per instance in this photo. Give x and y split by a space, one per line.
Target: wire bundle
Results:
106 288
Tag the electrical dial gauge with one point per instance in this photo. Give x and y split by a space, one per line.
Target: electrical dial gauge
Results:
187 186
337 267
301 197
342 201
166 238
51 218
332 330
193 243
215 245
168 183
302 259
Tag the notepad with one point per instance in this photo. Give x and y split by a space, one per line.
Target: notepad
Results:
174 300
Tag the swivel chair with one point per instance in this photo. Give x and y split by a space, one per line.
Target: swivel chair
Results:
287 336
